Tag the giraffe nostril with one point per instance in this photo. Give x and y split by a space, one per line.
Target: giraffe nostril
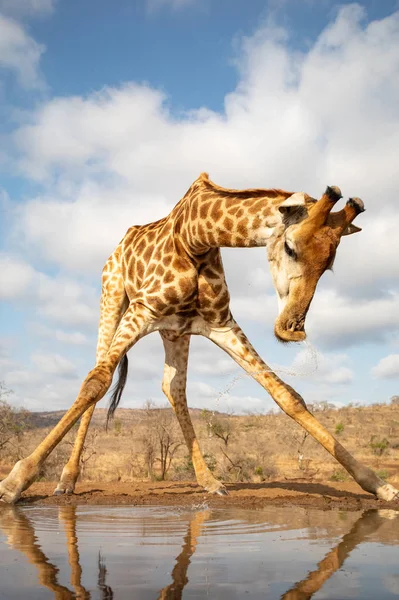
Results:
295 325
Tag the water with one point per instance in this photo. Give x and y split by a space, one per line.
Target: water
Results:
149 553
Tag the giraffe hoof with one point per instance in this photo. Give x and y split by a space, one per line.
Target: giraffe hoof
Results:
388 493
216 487
8 495
60 491
18 480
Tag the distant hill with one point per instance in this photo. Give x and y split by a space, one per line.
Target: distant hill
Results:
128 416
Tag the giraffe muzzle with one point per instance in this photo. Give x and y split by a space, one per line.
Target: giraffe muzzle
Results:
291 331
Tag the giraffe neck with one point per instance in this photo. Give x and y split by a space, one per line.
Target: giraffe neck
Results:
214 217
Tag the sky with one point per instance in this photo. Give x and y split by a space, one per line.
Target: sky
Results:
110 110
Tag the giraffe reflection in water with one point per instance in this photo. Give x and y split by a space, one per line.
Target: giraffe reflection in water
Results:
21 536
368 523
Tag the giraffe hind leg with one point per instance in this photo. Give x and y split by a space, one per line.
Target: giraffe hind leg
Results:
71 470
114 303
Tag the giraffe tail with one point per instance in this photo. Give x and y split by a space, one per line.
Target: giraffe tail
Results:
118 388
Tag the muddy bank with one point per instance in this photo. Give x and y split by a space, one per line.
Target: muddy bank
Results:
325 496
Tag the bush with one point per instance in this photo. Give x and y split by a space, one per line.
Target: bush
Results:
339 475
379 446
339 428
13 423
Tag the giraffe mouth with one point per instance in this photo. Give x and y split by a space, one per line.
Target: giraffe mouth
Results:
290 331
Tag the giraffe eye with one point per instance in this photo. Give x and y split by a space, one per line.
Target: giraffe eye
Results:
290 251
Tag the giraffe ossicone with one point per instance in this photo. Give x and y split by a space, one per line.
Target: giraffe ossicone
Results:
168 277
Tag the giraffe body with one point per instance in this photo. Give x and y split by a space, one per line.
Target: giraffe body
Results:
168 276
173 268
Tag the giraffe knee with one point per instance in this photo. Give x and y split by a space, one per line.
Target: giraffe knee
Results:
296 404
96 384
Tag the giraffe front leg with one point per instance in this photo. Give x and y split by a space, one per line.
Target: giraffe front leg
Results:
235 343
71 471
132 327
174 387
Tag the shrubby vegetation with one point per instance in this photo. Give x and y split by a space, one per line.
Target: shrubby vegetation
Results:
148 444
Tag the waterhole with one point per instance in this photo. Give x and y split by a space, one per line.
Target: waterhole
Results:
171 553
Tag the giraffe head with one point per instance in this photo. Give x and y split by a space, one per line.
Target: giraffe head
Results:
301 248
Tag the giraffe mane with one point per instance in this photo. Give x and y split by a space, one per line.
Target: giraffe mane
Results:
246 193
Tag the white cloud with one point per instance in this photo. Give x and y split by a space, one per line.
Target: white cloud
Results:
319 368
19 8
80 234
59 298
365 265
202 395
6 362
54 364
75 338
20 53
124 159
65 301
336 321
15 277
36 390
387 367
300 121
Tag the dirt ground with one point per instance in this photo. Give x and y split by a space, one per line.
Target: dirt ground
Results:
344 496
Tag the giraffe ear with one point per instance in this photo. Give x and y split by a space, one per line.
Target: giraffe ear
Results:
293 209
351 229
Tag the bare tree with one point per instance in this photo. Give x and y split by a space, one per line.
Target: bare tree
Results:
89 449
300 439
220 427
161 439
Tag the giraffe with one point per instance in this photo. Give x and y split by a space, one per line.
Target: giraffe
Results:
168 276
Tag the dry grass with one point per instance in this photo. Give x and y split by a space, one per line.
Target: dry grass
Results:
258 447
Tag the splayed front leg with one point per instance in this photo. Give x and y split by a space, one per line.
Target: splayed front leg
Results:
234 342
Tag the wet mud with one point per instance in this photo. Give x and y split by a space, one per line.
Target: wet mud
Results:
325 496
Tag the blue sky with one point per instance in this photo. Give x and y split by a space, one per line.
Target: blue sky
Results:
188 52
110 110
